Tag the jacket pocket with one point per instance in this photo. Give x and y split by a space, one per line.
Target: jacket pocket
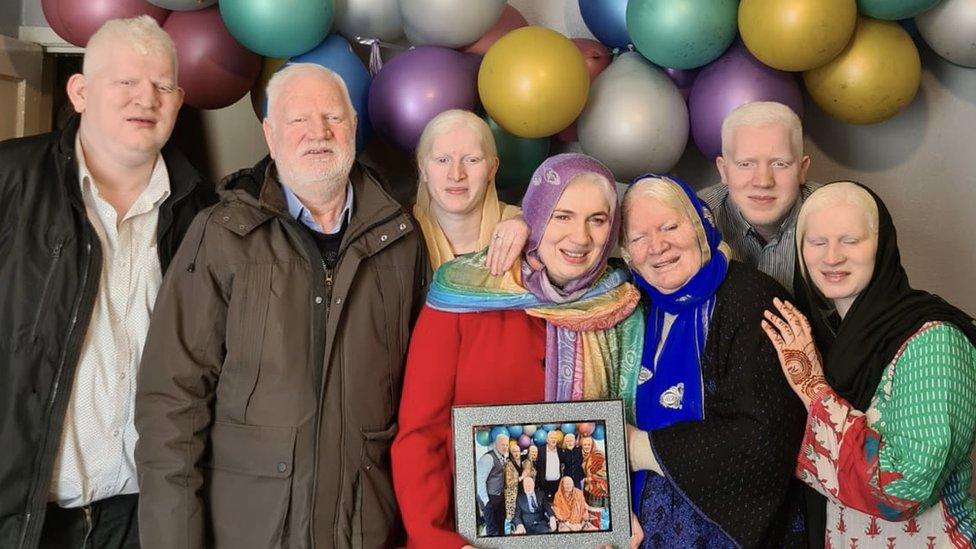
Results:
249 484
376 508
45 289
247 314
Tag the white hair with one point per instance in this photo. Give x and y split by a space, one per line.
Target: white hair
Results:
446 121
762 113
143 34
304 69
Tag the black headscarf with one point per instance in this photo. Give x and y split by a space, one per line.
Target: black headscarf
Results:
887 312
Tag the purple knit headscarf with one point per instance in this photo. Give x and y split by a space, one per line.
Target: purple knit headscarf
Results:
545 188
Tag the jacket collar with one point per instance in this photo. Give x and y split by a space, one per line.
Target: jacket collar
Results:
263 193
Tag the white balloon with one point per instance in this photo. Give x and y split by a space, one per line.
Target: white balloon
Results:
635 120
183 5
368 19
448 23
950 30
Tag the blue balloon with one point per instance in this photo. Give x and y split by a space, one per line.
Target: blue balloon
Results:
599 433
540 436
482 437
498 431
336 54
568 428
514 431
607 20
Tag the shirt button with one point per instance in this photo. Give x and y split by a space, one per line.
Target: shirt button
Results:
282 466
318 300
122 375
115 433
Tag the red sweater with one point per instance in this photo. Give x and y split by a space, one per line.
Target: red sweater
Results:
456 359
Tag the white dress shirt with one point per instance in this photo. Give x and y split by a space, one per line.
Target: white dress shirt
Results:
95 459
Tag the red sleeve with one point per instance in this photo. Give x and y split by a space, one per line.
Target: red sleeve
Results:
422 458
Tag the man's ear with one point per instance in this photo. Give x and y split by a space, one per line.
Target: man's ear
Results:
720 166
77 89
266 126
804 166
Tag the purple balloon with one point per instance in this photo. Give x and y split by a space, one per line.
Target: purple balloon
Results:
524 441
417 85
683 79
728 82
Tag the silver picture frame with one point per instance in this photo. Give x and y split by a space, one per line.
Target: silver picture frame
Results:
467 420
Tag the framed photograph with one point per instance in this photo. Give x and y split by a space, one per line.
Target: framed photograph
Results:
542 475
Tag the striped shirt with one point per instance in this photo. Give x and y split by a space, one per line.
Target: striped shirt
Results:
775 257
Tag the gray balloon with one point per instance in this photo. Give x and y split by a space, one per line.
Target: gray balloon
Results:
183 5
448 23
950 30
635 120
368 19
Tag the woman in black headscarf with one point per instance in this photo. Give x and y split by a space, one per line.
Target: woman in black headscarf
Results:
892 407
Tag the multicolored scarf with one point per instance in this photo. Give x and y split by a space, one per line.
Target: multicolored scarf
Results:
593 324
670 389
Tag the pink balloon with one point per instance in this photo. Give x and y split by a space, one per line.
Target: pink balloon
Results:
596 55
77 20
586 429
597 58
510 20
215 70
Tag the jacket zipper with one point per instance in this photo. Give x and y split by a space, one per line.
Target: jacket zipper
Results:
47 456
318 419
55 256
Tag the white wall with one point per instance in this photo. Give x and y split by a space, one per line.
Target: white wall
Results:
920 162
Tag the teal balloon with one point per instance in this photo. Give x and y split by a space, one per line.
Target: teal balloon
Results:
540 436
894 9
682 34
550 426
278 28
568 428
514 431
599 433
518 157
482 437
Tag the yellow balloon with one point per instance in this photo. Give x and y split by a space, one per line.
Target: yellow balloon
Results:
533 82
269 66
796 35
874 78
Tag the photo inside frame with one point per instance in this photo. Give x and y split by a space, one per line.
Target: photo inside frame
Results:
541 478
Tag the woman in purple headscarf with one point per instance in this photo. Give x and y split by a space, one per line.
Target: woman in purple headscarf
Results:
515 338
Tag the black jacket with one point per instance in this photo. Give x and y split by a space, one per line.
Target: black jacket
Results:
50 265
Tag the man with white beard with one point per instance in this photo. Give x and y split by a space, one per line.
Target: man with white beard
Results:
271 378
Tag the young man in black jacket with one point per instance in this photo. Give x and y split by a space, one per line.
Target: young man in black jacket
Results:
90 217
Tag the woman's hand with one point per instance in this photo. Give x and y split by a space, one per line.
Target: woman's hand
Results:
507 242
636 532
792 337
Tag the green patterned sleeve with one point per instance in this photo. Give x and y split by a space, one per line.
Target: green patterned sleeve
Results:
927 426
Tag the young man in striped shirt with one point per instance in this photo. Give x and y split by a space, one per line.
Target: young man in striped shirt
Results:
763 172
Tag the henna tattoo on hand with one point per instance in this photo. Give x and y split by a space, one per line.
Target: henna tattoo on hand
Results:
800 369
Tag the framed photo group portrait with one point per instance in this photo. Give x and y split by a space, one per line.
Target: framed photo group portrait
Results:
542 475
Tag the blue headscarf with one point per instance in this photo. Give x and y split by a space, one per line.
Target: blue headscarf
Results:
671 390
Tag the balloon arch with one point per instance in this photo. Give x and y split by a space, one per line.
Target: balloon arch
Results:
661 70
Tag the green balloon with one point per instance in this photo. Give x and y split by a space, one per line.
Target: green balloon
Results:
682 34
518 158
892 10
278 28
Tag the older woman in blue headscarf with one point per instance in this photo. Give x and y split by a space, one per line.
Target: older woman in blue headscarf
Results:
717 428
